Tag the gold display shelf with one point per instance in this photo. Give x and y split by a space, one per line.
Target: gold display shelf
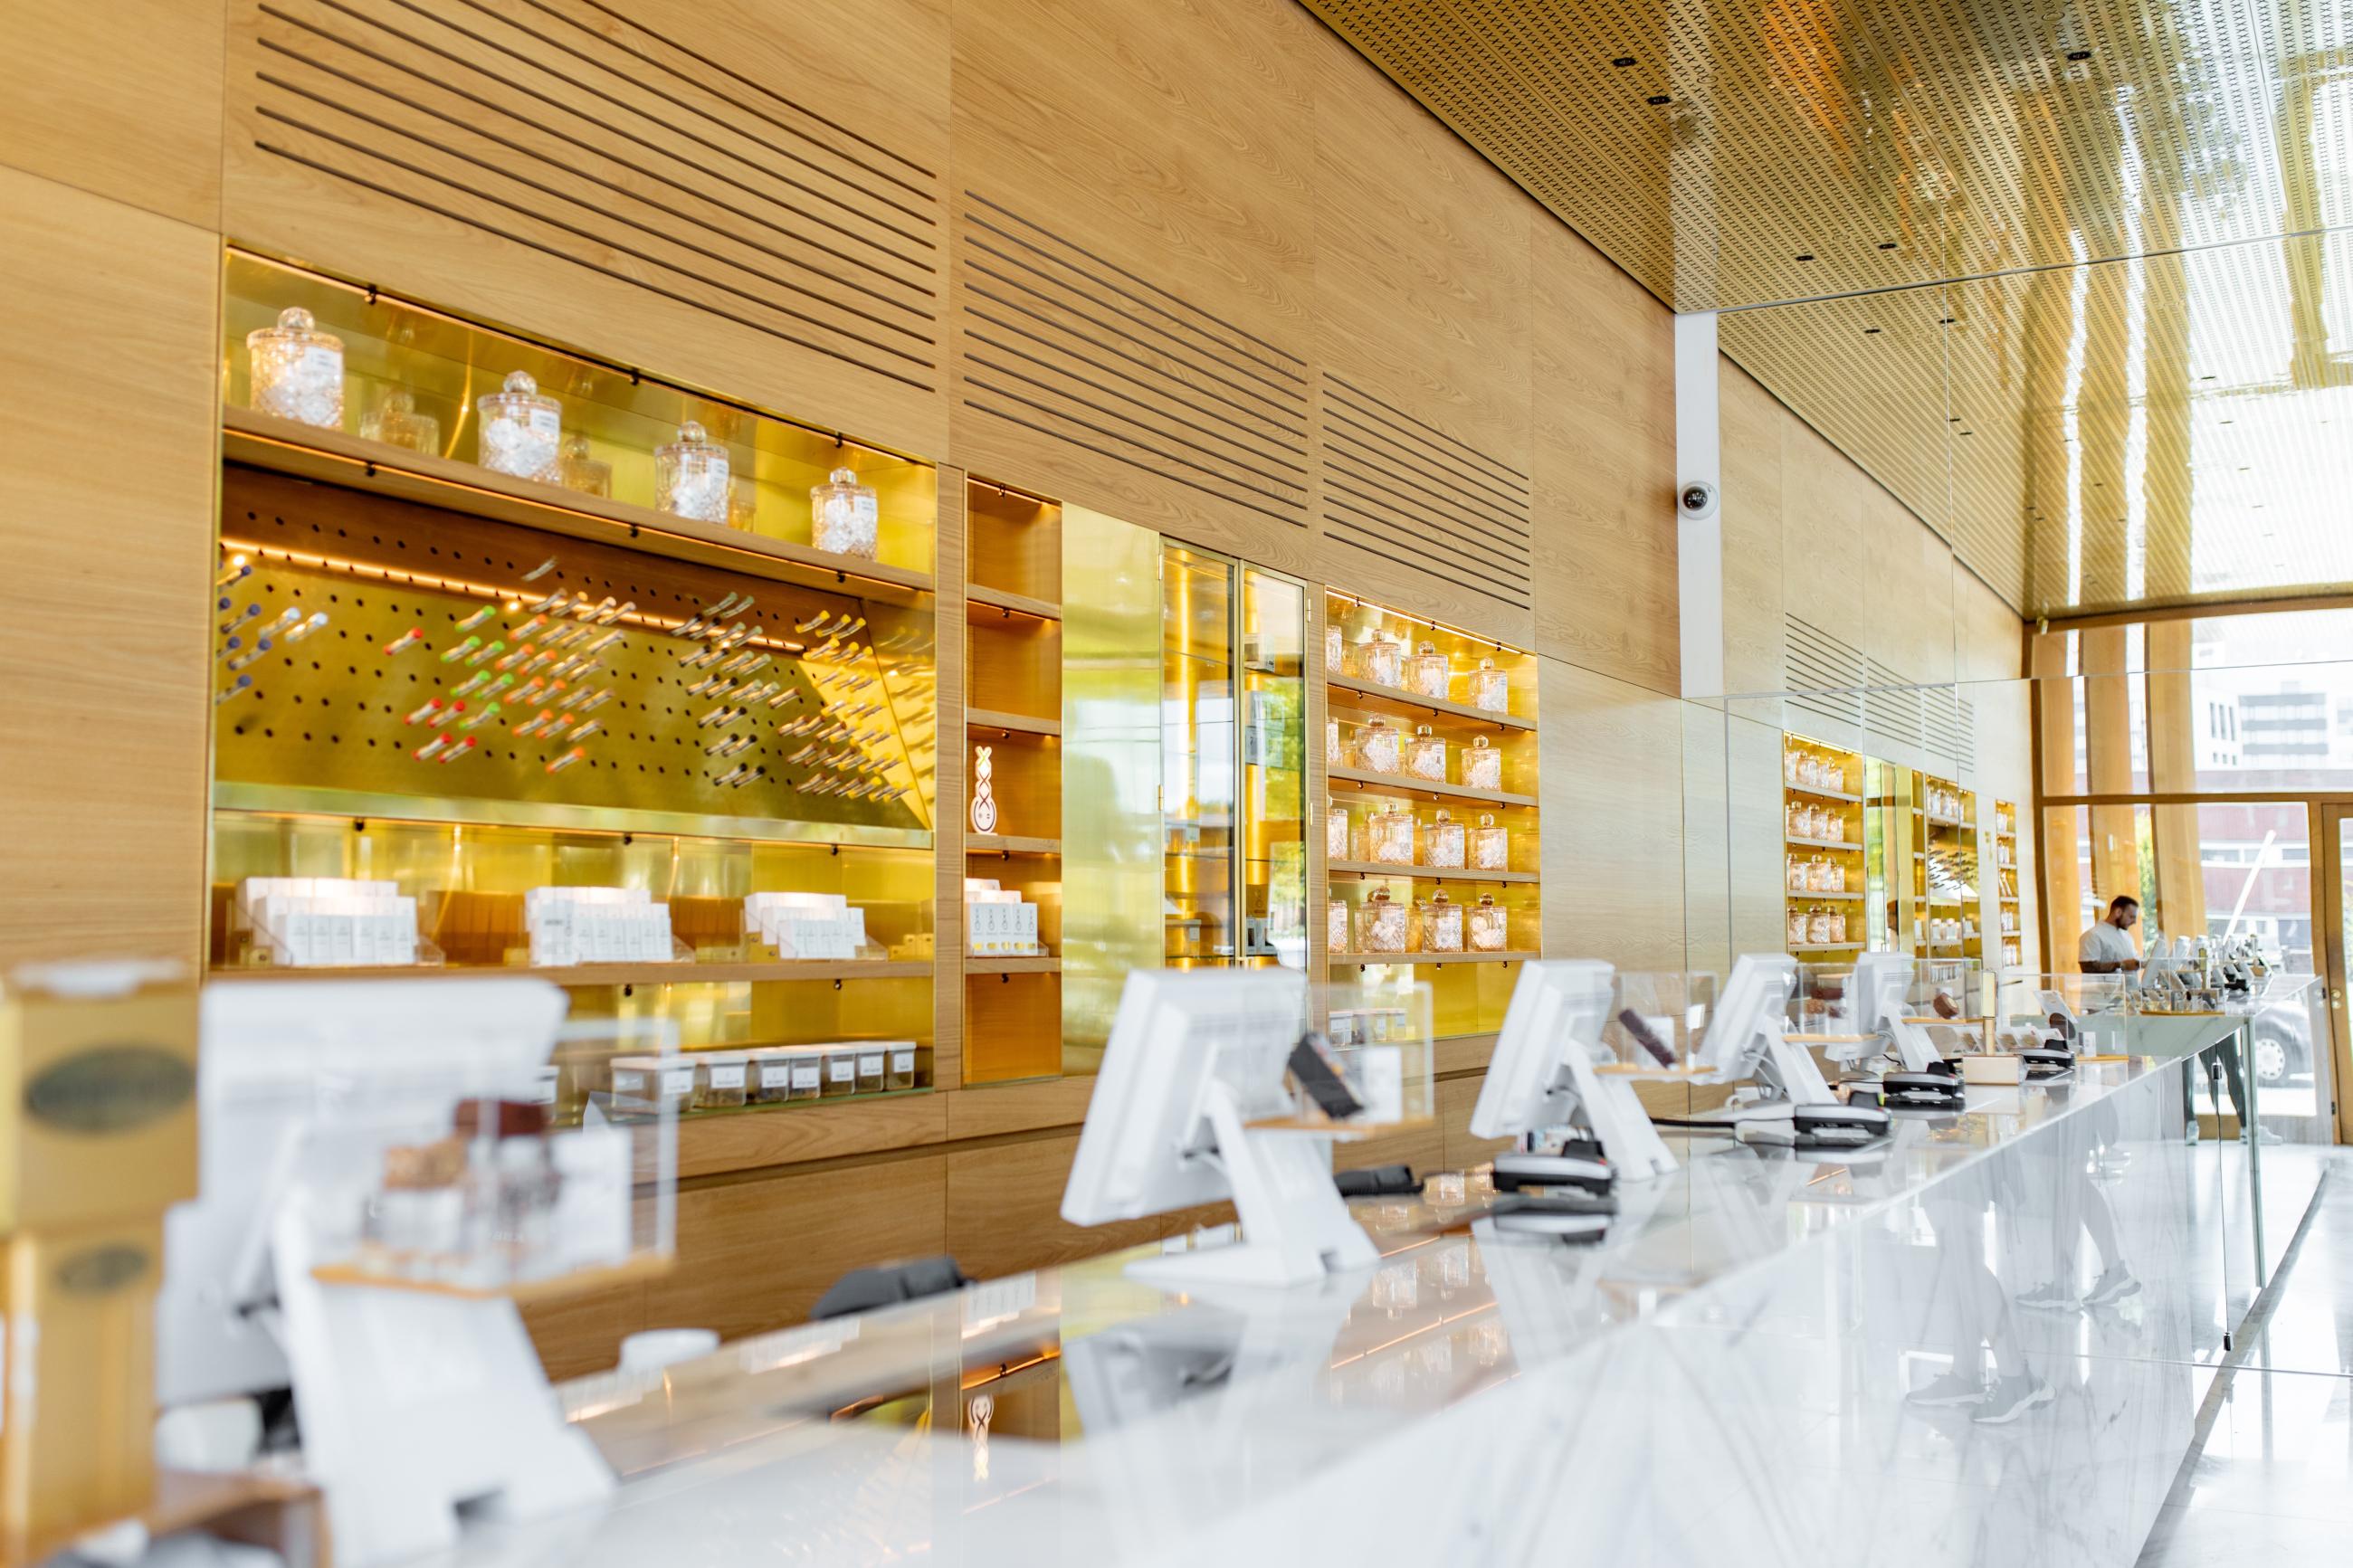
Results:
298 800
1823 843
1825 947
1014 963
1010 844
1822 794
1006 599
1948 822
1427 873
1019 724
1399 784
1435 960
304 451
1351 692
674 974
1796 897
522 1292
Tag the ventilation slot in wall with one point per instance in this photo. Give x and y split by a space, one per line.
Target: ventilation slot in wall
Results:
1950 722
1825 674
1063 342
1892 715
566 128
1412 494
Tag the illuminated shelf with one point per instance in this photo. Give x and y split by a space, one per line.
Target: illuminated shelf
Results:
1797 898
1006 599
701 974
1822 794
1021 723
1946 822
1010 844
1825 947
1425 873
1365 695
1392 783
1435 960
1014 963
1823 844
304 451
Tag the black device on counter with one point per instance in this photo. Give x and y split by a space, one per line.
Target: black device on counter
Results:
1559 1216
1939 1086
1378 1182
1844 1126
2046 1061
1577 1167
1319 1075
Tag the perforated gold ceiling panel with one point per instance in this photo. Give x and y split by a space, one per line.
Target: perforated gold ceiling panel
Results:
2103 365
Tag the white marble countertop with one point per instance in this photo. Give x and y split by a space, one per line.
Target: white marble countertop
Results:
1075 1415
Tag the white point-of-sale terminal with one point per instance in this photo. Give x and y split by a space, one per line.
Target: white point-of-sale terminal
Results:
1747 1041
1196 1058
1542 1077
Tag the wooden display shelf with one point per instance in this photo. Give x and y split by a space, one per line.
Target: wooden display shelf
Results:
524 1293
1825 947
1014 963
720 972
1019 724
1822 794
1797 898
1010 844
303 451
1425 873
1398 784
1823 843
1351 692
1006 599
1434 959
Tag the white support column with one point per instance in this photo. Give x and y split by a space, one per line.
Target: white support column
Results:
1699 511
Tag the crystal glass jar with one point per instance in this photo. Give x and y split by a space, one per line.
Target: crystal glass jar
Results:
1380 660
1336 927
1382 925
1388 836
521 430
1335 831
1335 648
1838 926
1443 843
1482 765
690 476
396 422
1793 764
1425 755
845 516
1793 870
1441 924
298 370
1834 876
1489 689
1490 846
1489 925
1380 748
577 469
1332 749
1818 923
1428 672
1800 927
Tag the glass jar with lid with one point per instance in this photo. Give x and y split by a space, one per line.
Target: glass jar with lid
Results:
1388 834
1488 925
1482 765
1335 929
690 476
1425 755
845 516
1335 831
1834 877
1837 925
1818 925
1382 925
521 430
298 370
1443 843
1380 660
396 422
1799 928
1491 845
1489 689
1335 648
1441 924
1794 873
1332 748
578 468
1380 748
1793 766
1428 672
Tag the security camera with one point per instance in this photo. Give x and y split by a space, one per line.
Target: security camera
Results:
1697 498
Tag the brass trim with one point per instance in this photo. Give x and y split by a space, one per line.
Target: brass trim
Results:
292 800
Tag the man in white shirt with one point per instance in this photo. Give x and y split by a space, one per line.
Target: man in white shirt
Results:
2107 947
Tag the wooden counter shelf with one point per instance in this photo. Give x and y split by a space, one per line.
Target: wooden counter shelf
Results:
1435 960
1014 963
1010 844
1349 692
1006 599
1399 784
522 1292
332 456
1019 724
1427 873
718 973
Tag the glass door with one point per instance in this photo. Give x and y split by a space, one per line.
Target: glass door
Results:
2334 957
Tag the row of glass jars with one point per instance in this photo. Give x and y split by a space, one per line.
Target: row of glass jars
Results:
298 374
1820 824
1385 924
1380 747
1392 836
1944 802
1810 769
1951 931
1816 927
1814 874
1382 660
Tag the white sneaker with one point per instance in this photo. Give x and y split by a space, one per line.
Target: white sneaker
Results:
2010 1398
2112 1287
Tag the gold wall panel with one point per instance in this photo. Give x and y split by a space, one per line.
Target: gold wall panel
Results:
725 196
